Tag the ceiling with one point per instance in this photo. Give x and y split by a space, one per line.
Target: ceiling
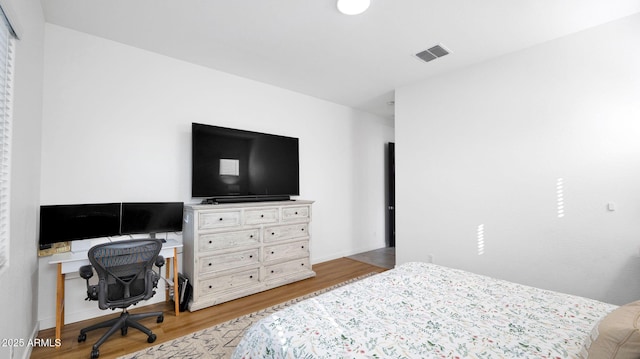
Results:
309 47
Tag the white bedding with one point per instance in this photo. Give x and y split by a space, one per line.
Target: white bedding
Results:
421 310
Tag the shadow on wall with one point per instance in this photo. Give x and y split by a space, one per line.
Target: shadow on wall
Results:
628 280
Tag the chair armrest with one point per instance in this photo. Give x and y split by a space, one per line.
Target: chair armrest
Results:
86 272
159 261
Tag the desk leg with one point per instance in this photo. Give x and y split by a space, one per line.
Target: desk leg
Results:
59 302
176 294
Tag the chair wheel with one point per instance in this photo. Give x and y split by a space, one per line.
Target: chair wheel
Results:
160 318
123 330
82 338
95 354
151 339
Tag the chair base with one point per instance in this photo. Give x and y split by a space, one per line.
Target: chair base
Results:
123 322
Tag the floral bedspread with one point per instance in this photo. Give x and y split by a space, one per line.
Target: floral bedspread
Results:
421 310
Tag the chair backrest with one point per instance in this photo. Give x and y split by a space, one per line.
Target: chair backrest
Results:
125 271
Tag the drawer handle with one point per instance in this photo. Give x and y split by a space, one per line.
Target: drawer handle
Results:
273 233
210 287
262 216
209 264
302 264
220 219
302 229
250 277
272 252
251 236
302 247
210 242
273 271
251 256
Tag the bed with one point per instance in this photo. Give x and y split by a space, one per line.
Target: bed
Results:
422 310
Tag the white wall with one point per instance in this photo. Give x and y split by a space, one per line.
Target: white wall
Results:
117 127
18 299
486 145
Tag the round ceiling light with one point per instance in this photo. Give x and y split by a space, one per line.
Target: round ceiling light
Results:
353 7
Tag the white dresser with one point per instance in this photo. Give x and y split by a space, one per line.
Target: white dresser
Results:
234 250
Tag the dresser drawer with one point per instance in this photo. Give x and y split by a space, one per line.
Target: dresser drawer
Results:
286 268
212 220
223 240
231 260
234 281
279 233
287 250
261 216
295 213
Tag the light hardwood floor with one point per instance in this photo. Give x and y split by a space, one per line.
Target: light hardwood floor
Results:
327 274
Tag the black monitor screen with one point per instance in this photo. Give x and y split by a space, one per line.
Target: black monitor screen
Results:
61 223
151 217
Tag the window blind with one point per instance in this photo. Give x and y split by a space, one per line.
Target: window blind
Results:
7 36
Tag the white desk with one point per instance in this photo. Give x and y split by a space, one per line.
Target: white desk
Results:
71 262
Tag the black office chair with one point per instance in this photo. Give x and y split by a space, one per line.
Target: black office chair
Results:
126 276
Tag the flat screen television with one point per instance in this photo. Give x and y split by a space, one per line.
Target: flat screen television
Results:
61 223
151 217
232 165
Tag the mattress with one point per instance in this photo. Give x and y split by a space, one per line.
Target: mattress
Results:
422 310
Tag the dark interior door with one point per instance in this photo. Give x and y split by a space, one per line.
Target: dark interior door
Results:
391 195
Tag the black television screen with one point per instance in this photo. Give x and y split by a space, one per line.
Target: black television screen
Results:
151 217
61 223
237 163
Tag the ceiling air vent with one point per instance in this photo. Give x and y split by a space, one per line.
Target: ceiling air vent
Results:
432 53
